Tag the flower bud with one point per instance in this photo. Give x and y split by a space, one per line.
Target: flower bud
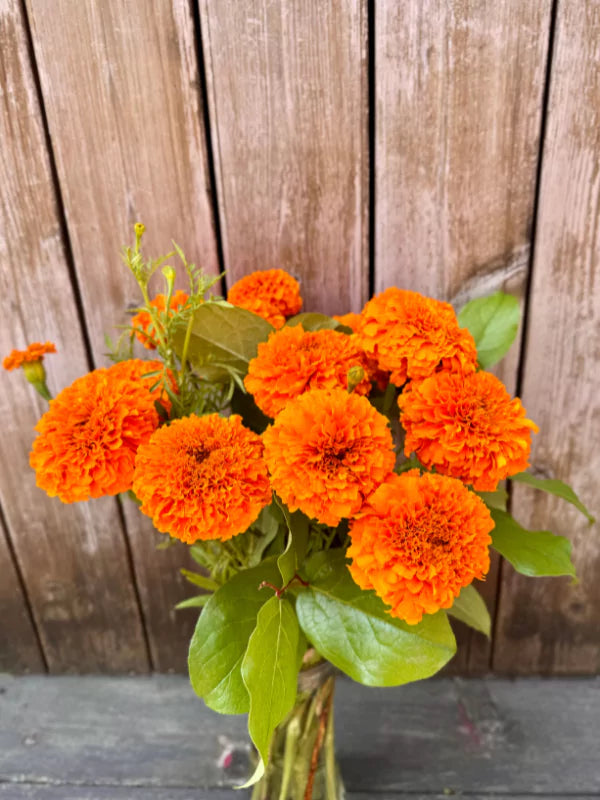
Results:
354 377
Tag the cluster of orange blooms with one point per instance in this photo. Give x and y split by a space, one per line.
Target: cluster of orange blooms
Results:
416 538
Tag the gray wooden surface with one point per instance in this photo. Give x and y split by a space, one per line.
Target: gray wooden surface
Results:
96 738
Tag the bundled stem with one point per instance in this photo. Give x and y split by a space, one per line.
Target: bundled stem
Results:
302 764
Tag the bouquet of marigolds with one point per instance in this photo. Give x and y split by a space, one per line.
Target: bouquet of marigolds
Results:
338 481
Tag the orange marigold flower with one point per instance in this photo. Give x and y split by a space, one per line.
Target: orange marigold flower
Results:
326 452
418 541
293 361
143 319
466 426
202 478
34 352
412 336
350 320
136 369
89 436
272 294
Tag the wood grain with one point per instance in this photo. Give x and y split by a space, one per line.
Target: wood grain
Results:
19 645
121 92
458 94
73 559
287 85
473 738
551 626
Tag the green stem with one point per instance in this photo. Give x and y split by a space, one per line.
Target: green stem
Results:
186 342
42 389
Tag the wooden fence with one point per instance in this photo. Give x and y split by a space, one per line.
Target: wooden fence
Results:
448 147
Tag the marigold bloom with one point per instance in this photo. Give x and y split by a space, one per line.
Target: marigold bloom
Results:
418 541
202 478
89 436
136 369
272 294
350 320
34 352
293 361
412 336
327 451
466 426
143 319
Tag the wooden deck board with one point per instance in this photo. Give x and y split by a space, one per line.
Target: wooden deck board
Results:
95 738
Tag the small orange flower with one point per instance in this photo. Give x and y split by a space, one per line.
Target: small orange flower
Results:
136 369
89 436
293 361
350 320
466 426
412 336
326 452
143 319
418 541
202 478
272 294
34 352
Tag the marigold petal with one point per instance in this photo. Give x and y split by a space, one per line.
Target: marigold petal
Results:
327 451
418 541
272 294
293 361
202 478
466 426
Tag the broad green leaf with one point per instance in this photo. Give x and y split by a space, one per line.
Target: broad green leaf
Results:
312 321
534 553
298 531
496 499
224 337
221 638
265 529
200 580
194 602
470 608
270 671
351 628
493 322
555 487
243 404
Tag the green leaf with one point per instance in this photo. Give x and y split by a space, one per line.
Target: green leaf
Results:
534 553
496 499
493 322
243 404
555 487
221 638
223 338
270 671
351 628
312 321
194 602
470 608
200 580
290 560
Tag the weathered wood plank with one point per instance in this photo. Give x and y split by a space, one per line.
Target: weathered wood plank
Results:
475 737
458 93
552 626
287 85
19 646
69 555
121 92
16 791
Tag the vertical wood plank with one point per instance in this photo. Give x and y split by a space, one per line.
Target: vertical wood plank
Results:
19 647
121 92
72 558
551 626
458 94
287 87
